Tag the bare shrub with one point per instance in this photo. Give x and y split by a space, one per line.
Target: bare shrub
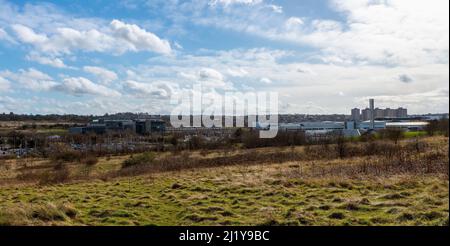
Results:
317 152
90 160
380 148
29 176
393 134
67 155
437 127
250 139
402 162
59 174
341 145
139 159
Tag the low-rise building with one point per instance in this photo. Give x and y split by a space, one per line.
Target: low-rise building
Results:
365 125
146 126
141 126
410 126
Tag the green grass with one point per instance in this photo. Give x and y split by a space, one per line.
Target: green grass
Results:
230 196
270 194
412 134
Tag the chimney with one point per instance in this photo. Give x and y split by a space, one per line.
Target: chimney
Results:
372 114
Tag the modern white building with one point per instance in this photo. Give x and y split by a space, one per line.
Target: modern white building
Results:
311 126
409 125
323 127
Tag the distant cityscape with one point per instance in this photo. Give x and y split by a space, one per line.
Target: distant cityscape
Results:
379 113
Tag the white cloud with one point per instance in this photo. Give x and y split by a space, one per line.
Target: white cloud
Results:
410 33
210 74
27 35
106 76
305 82
237 72
4 84
68 39
212 79
30 79
357 53
159 89
265 80
139 39
64 37
5 36
232 2
51 61
276 8
433 103
293 22
79 86
178 46
65 40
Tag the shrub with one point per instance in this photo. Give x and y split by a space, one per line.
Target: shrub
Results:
90 160
393 134
60 174
67 156
437 126
134 160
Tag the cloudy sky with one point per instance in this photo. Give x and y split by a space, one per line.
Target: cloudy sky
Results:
96 57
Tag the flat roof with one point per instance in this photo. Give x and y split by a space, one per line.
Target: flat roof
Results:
410 123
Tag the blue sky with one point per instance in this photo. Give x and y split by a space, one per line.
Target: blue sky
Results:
96 57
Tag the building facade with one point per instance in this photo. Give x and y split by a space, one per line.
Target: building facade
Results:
144 126
356 114
380 113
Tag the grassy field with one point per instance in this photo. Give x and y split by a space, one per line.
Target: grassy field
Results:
293 192
412 134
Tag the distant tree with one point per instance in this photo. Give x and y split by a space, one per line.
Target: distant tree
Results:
196 142
432 127
174 140
443 126
393 134
341 144
237 133
437 127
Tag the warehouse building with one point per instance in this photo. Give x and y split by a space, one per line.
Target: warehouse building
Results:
141 126
147 126
409 125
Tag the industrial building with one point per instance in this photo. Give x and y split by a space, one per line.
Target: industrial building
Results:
410 125
310 126
322 127
369 119
375 118
146 126
140 126
367 125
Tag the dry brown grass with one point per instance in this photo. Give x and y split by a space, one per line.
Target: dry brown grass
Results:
378 158
325 191
38 214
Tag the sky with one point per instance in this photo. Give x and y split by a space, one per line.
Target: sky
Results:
320 56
